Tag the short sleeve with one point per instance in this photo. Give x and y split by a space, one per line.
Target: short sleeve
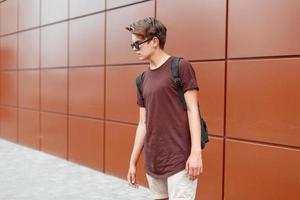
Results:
187 76
140 99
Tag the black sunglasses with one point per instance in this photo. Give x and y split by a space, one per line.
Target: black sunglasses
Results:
137 44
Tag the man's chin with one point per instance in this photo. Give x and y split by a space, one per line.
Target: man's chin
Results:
141 57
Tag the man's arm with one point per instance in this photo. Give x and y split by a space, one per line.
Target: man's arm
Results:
194 164
137 147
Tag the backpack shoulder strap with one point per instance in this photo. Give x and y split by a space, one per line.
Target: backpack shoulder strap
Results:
176 76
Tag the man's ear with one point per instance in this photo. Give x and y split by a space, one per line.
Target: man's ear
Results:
155 41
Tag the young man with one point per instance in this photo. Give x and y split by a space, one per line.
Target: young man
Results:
169 135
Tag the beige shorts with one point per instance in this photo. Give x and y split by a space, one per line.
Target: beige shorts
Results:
175 187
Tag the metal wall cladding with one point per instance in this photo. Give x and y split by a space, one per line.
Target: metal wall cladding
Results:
9 17
29 14
211 83
29 59
118 102
54 134
28 89
9 88
263 28
263 100
28 124
86 144
86 92
210 183
54 90
67 85
86 41
53 11
54 45
9 52
118 141
116 3
252 169
196 29
9 124
81 7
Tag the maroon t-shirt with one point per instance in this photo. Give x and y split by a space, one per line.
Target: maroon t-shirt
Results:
168 143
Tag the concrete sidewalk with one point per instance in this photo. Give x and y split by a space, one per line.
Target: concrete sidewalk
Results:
27 174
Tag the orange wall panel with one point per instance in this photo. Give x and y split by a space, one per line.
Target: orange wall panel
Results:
9 123
9 49
29 59
29 128
9 88
86 45
53 11
54 45
263 28
54 135
83 7
119 140
29 89
211 79
54 90
121 96
29 14
254 170
263 100
86 142
210 182
86 91
196 29
9 16
116 3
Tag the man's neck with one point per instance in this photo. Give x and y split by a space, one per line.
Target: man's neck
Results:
158 59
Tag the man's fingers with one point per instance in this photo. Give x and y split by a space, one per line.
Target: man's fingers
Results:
129 179
194 172
191 173
201 169
187 168
132 180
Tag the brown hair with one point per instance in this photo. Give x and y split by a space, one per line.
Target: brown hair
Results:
148 28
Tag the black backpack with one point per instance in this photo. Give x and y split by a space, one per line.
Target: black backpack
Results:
177 80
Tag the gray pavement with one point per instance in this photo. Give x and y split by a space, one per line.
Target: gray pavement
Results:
27 174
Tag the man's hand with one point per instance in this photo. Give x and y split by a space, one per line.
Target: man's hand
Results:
194 165
131 176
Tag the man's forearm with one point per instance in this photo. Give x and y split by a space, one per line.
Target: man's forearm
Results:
195 130
138 143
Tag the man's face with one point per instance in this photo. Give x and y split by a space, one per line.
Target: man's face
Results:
142 47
